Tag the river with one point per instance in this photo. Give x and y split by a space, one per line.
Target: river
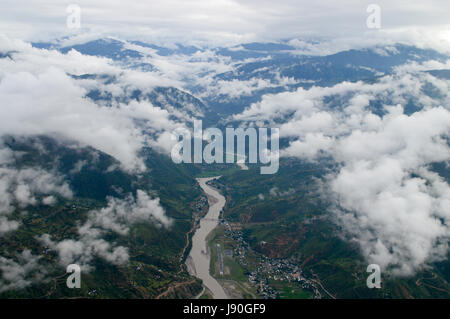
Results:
198 260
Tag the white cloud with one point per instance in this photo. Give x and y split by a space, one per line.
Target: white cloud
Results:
49 200
309 148
30 100
393 216
20 187
82 251
7 225
30 106
20 273
119 214
233 21
274 191
383 193
116 217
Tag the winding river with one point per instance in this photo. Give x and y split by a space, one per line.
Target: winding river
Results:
199 258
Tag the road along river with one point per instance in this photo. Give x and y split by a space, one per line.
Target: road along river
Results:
199 258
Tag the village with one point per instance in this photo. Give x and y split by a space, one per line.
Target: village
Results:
264 270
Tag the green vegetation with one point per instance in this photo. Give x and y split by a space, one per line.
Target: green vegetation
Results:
290 290
283 216
154 264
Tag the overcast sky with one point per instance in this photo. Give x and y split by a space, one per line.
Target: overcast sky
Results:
230 21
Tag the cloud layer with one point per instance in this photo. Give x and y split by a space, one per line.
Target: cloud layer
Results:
42 93
20 272
25 187
28 83
232 21
116 217
385 193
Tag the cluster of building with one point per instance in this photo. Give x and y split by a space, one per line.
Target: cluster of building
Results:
242 246
262 286
282 270
268 268
200 204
